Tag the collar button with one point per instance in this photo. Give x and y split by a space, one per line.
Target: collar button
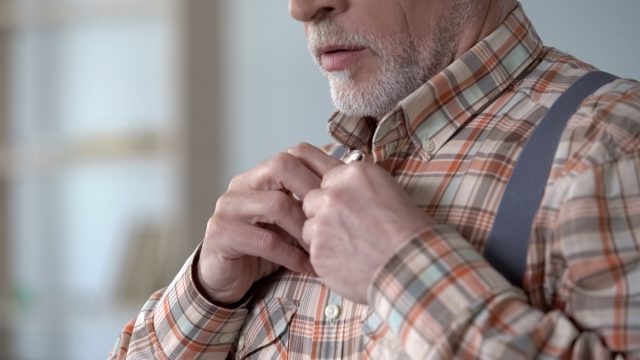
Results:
428 145
356 155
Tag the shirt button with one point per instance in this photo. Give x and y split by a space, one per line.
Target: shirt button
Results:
241 343
332 311
428 145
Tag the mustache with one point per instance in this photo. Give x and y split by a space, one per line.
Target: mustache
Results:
327 33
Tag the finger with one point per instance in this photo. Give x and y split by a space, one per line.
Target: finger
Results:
267 207
350 175
308 231
282 172
311 203
283 234
336 175
314 158
262 243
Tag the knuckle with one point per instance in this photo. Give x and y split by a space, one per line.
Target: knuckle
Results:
222 204
214 226
300 148
235 182
281 163
334 198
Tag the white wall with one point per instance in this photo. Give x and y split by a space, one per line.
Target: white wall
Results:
277 97
603 33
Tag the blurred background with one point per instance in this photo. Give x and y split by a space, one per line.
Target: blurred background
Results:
121 121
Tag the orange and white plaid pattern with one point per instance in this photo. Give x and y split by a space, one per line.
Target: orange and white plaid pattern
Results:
452 144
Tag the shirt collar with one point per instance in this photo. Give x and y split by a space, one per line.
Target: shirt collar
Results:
434 111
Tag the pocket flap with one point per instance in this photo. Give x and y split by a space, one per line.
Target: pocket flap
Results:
267 321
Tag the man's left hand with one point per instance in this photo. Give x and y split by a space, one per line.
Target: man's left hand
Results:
356 221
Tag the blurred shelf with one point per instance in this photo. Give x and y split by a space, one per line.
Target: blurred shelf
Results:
29 13
68 309
90 149
177 150
4 314
77 329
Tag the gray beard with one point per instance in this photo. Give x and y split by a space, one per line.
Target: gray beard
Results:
377 95
404 65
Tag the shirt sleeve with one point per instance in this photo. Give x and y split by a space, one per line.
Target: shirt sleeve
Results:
441 298
180 323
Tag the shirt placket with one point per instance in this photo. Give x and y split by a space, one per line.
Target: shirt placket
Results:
390 133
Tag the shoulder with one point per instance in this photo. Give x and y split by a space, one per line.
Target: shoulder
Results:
551 75
605 127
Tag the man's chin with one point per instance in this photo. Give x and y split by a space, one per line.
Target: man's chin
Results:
347 99
361 98
336 78
356 106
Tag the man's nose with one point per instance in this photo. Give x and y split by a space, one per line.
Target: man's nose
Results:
313 10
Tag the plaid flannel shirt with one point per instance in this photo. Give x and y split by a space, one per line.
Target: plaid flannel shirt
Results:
452 144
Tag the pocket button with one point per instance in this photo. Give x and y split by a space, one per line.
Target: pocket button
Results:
332 311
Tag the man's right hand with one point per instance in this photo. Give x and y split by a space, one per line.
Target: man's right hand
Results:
256 227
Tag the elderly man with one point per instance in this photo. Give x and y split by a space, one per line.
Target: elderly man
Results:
308 256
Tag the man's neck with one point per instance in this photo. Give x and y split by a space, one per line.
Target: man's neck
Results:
492 13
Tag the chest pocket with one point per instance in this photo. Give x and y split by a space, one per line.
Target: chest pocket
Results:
266 331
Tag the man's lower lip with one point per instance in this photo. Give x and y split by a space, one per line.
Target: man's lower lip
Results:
340 60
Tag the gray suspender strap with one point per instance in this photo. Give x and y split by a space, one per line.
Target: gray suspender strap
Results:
506 247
